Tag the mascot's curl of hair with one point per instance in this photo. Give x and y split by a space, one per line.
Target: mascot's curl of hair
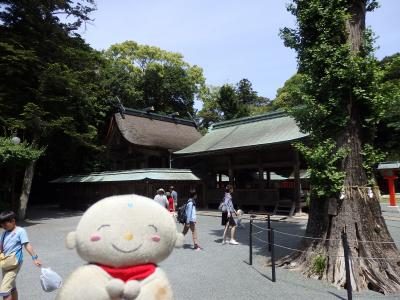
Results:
122 238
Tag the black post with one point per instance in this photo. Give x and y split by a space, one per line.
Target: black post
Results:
347 265
251 242
273 255
269 233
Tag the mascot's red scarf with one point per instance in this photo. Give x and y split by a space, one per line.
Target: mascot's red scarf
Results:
138 272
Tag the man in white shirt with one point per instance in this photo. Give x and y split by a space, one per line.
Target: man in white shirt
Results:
161 199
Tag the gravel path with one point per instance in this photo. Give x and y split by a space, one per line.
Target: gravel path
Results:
217 272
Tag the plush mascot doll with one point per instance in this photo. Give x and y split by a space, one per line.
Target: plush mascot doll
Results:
122 238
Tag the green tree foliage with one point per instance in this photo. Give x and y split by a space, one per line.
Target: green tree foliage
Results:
230 102
144 76
387 136
50 92
211 112
331 73
290 94
245 92
17 154
323 160
50 89
388 133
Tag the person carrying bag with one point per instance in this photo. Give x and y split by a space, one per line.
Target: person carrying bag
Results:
12 240
227 219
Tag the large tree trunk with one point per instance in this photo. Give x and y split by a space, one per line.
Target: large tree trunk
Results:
26 189
357 214
27 184
361 218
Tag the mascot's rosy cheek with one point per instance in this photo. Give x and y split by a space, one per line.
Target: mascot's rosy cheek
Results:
155 238
95 238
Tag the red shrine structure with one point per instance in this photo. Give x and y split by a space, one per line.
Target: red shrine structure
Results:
389 171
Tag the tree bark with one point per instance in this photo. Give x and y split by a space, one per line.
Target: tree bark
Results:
26 189
357 214
26 185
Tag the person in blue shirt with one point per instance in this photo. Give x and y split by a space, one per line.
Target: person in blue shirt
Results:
191 219
11 241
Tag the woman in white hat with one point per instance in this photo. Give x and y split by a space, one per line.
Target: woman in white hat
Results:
161 199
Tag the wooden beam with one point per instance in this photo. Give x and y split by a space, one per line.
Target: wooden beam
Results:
281 164
271 165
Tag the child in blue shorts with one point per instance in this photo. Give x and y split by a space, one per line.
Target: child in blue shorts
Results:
11 241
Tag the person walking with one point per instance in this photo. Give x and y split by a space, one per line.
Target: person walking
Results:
171 204
161 199
174 195
227 217
11 241
191 219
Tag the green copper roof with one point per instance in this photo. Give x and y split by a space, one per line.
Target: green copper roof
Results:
132 175
266 129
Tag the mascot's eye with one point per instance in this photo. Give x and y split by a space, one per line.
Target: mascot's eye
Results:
101 226
154 227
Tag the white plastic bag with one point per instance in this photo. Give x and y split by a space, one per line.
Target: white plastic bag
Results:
50 280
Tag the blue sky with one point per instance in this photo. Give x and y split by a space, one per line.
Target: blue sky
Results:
229 39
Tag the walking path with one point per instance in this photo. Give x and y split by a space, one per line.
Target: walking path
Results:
218 272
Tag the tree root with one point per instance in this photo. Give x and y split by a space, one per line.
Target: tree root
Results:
373 265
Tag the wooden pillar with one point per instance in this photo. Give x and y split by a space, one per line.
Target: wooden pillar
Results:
297 183
392 193
147 189
268 179
261 178
230 170
203 186
261 199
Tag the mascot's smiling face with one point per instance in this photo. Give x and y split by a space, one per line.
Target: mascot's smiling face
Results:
123 231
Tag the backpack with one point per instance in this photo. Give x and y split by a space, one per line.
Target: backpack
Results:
182 214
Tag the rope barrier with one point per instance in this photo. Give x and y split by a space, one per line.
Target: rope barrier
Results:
261 240
315 238
259 227
373 242
288 248
254 233
375 258
303 236
340 256
359 186
347 258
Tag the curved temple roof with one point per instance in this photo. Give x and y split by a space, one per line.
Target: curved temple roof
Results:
157 131
267 129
